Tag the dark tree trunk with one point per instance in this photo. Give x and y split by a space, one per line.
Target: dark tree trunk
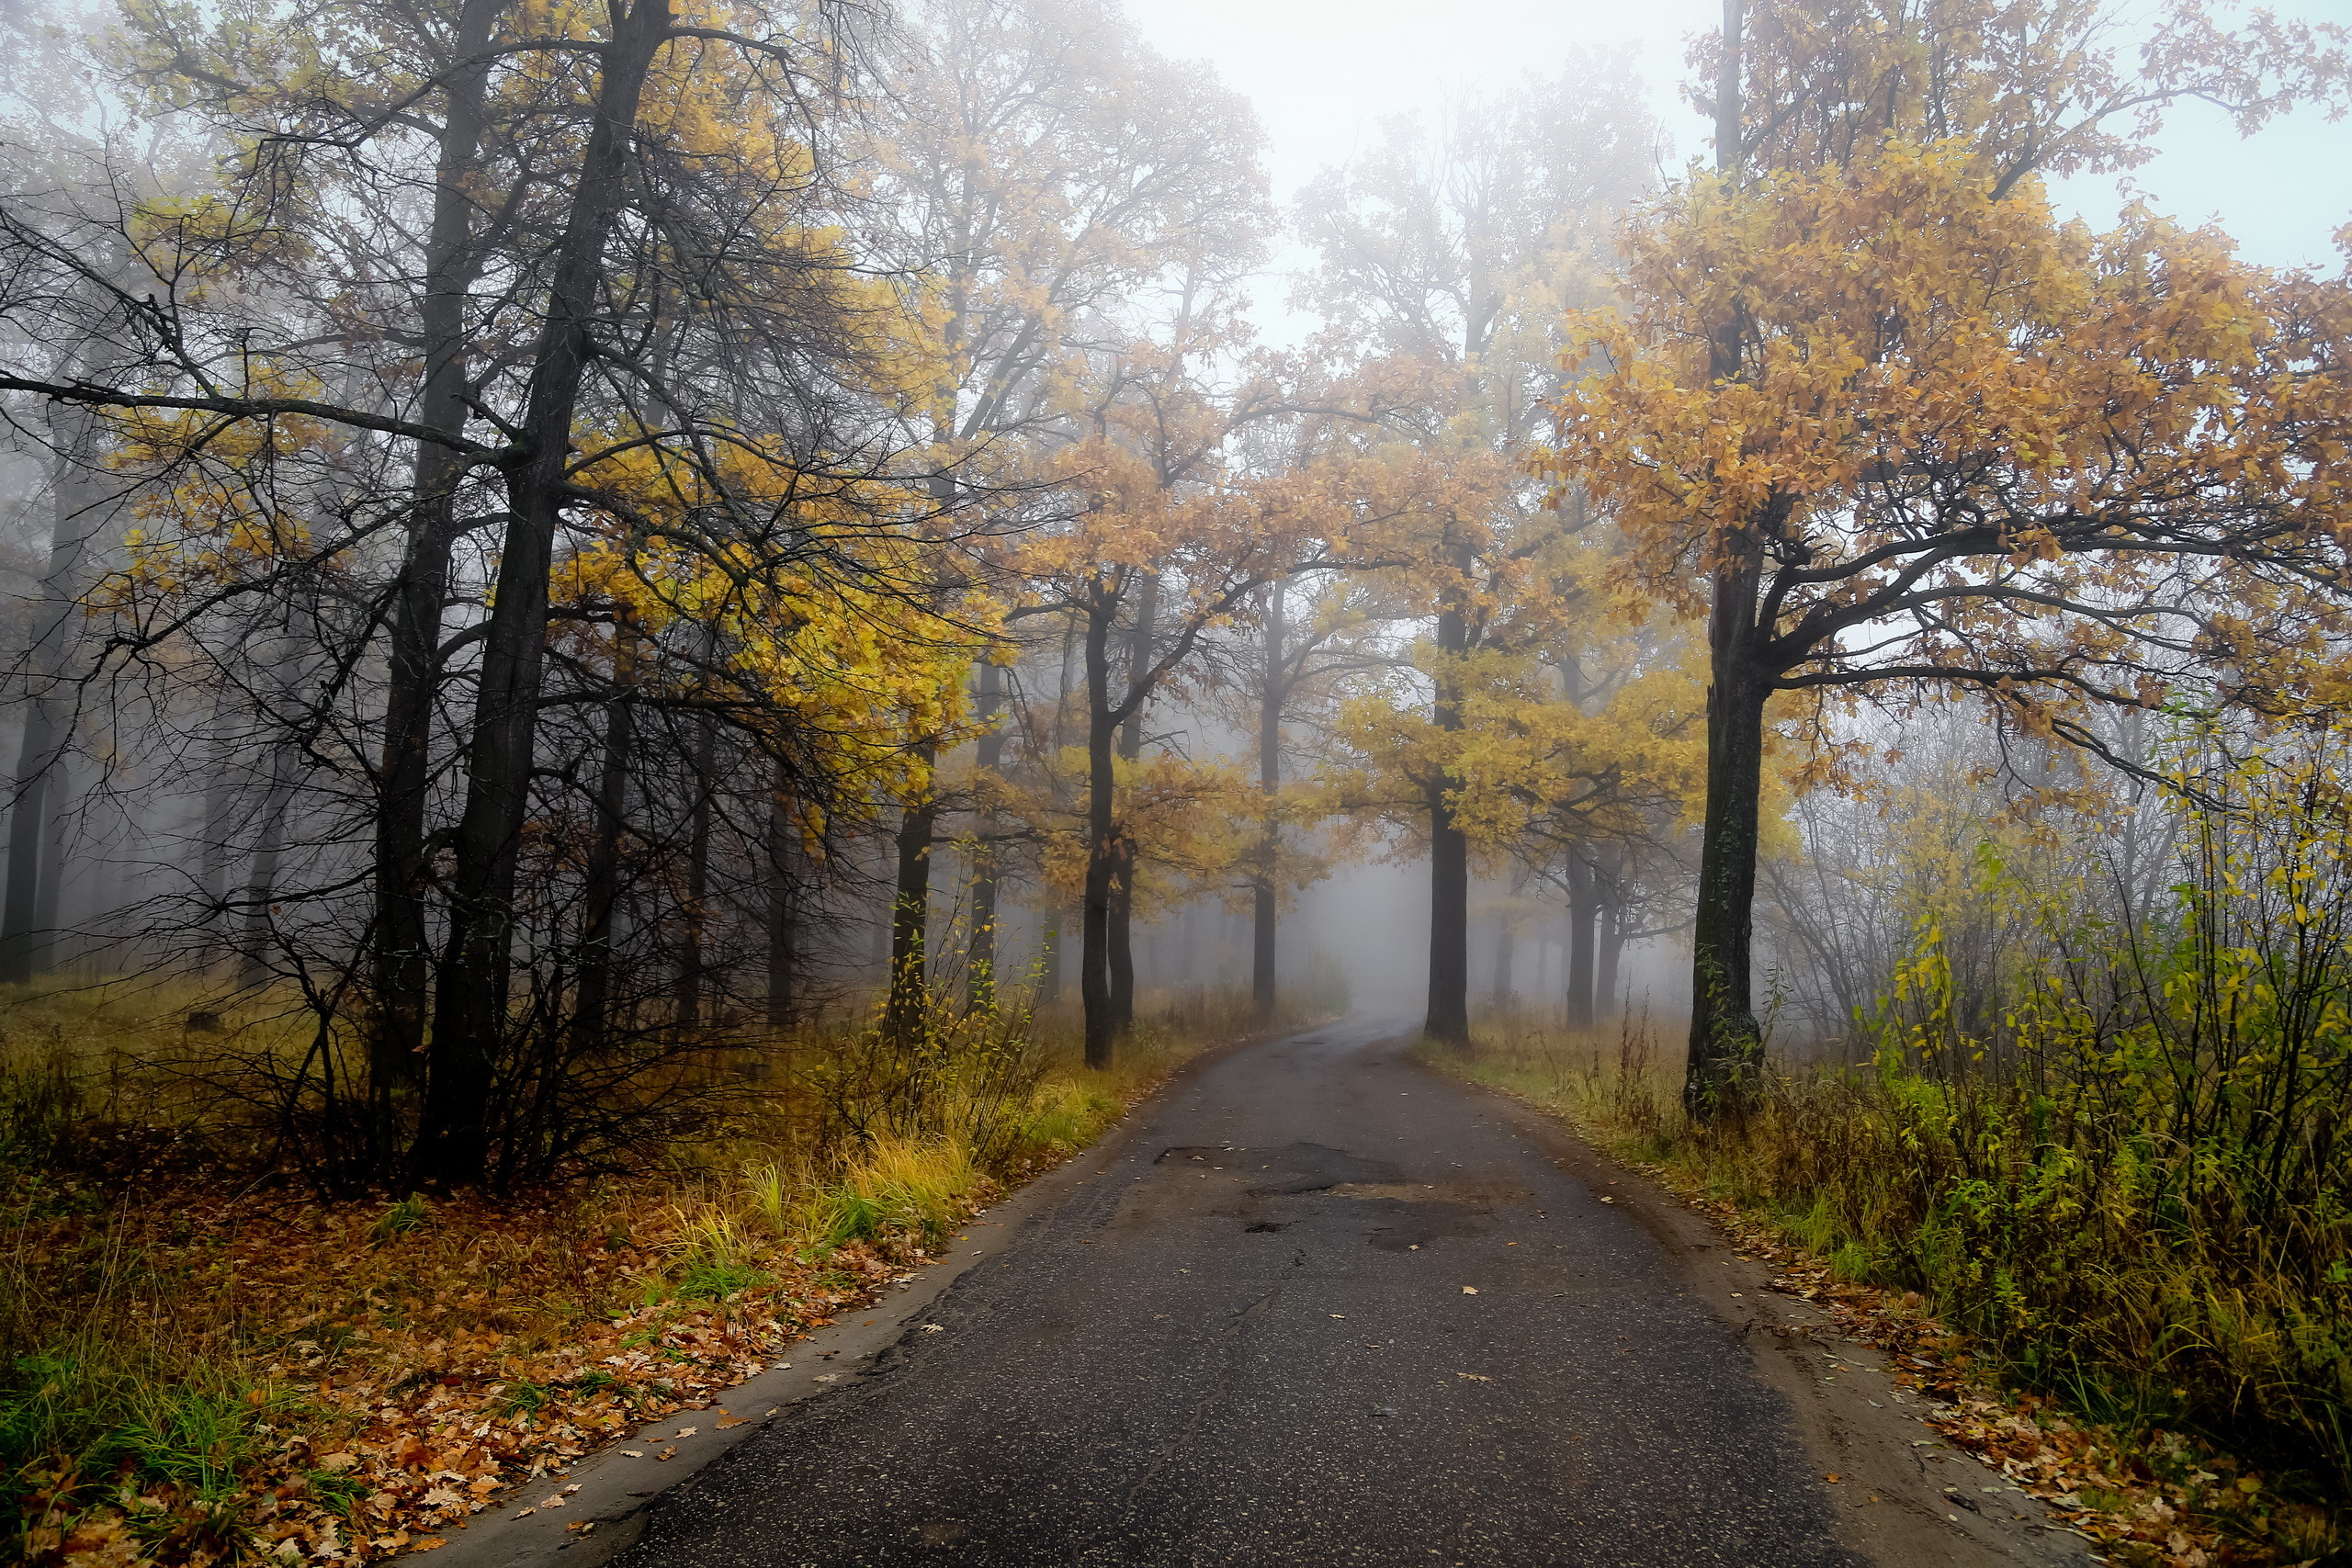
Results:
1582 907
1449 1007
592 1001
1449 1003
693 941
471 1017
784 958
903 1014
1103 849
1726 1042
261 886
1265 906
401 959
980 962
1611 886
29 905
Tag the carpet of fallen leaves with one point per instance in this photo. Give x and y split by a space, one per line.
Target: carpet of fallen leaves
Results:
406 1382
2152 1499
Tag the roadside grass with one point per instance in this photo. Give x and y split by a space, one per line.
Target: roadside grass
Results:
2177 1374
201 1361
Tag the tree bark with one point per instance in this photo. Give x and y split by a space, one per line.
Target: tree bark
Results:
29 905
1609 884
909 1003
692 941
1726 1042
593 998
1447 1020
261 884
1102 1028
470 1016
1582 908
401 961
1264 908
784 958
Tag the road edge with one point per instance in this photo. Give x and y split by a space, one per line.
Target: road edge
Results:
1906 1497
608 1495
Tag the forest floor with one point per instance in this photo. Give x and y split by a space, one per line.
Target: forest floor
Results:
2143 1495
201 1366
1316 1305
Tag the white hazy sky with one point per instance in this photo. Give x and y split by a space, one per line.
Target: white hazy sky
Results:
1322 73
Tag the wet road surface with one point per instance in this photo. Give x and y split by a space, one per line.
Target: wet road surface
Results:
1316 1305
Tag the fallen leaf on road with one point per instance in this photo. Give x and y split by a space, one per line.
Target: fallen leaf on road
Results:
1340 1316
688 1431
1469 1290
633 1453
527 1513
1833 1475
935 1328
1474 1377
727 1422
665 1453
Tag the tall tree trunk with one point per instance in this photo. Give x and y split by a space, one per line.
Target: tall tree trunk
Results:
1582 907
1101 1028
29 905
471 1017
261 886
694 939
1123 885
784 958
1609 884
592 1001
400 960
1265 907
979 961
903 1014
1726 1042
1449 1003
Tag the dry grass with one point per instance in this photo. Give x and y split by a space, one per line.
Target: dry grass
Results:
205 1364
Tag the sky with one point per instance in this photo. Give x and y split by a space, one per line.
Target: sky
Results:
1323 72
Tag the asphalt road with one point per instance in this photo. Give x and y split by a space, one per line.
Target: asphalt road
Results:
1316 1305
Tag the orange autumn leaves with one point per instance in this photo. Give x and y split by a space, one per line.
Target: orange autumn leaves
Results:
2001 442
